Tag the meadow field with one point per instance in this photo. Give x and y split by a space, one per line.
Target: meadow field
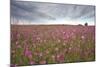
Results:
52 44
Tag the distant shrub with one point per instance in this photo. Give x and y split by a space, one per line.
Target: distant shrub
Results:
80 25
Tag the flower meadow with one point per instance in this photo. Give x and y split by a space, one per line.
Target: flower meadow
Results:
51 44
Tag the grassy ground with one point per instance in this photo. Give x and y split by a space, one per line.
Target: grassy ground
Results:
40 44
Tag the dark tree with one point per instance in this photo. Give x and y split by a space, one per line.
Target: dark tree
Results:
86 24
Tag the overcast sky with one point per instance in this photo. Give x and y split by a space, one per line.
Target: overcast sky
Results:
28 12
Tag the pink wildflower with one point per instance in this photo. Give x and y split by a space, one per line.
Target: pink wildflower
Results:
32 62
42 62
60 58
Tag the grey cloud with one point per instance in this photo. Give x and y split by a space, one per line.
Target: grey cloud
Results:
27 11
37 12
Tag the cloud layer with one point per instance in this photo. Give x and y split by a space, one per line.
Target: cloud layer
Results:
38 12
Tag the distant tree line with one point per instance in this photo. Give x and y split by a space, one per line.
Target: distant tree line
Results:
86 24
